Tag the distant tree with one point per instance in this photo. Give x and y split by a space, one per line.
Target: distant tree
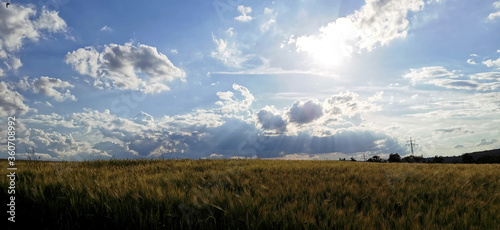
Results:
375 159
468 159
484 159
419 159
353 159
394 157
414 159
487 159
438 159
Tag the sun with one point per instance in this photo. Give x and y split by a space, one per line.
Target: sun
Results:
333 46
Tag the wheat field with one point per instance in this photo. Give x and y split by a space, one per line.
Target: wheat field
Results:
254 194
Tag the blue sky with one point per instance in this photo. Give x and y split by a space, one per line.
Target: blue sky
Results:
235 78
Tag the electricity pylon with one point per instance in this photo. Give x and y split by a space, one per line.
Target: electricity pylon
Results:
411 144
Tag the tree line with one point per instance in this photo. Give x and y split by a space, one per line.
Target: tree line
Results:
465 158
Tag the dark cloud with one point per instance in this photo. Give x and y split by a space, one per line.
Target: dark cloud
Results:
146 145
238 138
306 112
448 130
269 121
347 142
487 142
458 84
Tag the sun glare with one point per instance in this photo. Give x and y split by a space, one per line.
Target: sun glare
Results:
333 46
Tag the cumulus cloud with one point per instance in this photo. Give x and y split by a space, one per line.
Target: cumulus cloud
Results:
115 150
492 63
231 104
268 120
11 102
377 23
112 137
323 118
306 112
20 23
62 146
244 10
496 14
440 76
126 66
232 129
50 21
48 86
347 104
144 119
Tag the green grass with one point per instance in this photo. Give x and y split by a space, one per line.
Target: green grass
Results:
254 194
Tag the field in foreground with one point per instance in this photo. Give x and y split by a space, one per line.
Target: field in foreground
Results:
253 194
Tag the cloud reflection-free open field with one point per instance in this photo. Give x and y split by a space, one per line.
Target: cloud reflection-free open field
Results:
255 194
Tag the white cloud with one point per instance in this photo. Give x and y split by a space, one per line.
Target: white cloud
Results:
13 63
377 96
11 102
50 21
383 21
221 132
173 51
492 76
144 119
434 1
495 15
19 24
47 86
106 28
16 26
425 73
126 66
470 61
270 19
492 63
227 52
244 10
323 118
376 23
439 76
41 103
348 104
62 146
231 104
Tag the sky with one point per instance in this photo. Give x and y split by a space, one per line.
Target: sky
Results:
297 79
